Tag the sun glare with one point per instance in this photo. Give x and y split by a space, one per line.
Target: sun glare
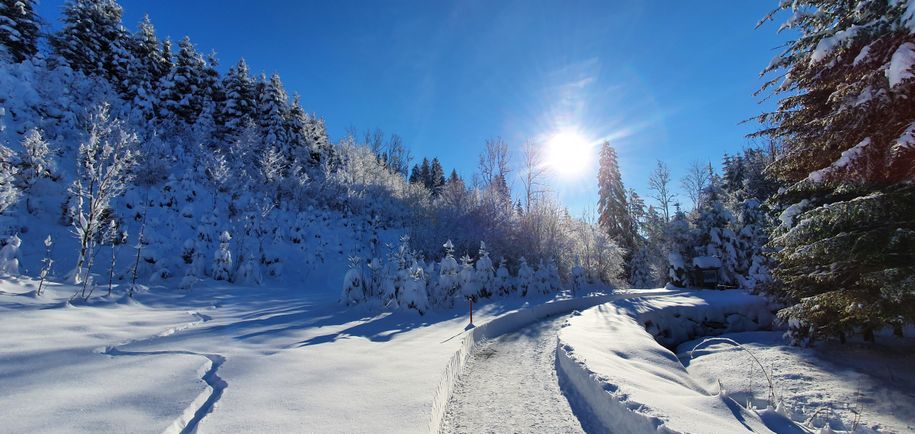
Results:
568 153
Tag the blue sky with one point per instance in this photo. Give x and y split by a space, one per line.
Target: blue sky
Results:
667 80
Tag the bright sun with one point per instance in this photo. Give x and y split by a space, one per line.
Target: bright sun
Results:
568 153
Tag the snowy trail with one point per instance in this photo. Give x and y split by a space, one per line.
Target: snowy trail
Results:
510 385
188 422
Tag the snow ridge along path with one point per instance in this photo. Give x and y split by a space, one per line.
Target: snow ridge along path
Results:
510 385
510 322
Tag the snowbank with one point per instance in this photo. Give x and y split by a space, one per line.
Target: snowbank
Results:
627 380
504 324
850 387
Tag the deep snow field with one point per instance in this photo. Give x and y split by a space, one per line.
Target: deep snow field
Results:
225 358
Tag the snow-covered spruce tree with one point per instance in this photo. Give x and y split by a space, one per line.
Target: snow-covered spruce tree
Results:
752 235
679 238
468 276
149 67
503 283
613 212
541 283
181 91
103 171
484 275
436 177
525 280
239 107
641 273
93 41
845 125
354 283
714 234
579 276
272 106
413 295
222 258
449 282
20 28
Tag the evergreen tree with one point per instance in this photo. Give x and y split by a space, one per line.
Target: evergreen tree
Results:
297 134
714 234
182 90
272 106
20 27
415 175
148 67
845 125
92 40
436 177
239 107
613 211
322 151
679 242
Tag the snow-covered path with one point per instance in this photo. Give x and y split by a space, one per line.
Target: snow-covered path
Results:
509 385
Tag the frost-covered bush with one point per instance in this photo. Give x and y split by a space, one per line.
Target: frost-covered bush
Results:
503 282
525 281
222 259
354 283
9 257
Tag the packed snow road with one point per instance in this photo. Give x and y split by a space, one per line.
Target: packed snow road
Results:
510 385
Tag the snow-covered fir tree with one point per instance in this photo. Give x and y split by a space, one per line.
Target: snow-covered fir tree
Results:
714 234
20 28
240 101
181 93
613 212
94 41
846 130
222 258
485 279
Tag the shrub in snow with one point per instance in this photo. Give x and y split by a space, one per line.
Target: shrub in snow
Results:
677 273
579 276
554 280
413 294
525 281
222 259
468 276
485 279
449 282
354 290
46 264
9 256
249 271
503 282
541 283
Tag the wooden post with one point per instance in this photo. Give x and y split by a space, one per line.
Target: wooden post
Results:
471 310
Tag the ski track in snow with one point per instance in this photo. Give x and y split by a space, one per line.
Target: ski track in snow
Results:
190 418
510 385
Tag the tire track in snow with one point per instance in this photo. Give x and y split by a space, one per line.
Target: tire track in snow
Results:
190 418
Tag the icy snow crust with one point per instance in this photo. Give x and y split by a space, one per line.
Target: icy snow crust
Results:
632 383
